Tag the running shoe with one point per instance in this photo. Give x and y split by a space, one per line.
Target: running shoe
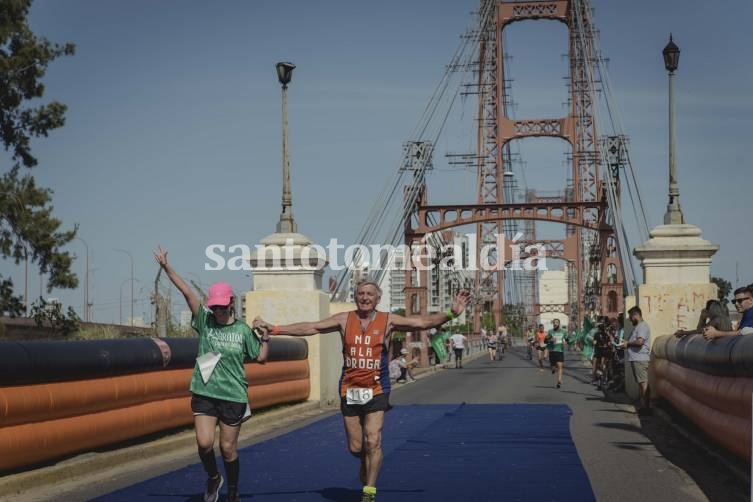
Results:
368 497
559 385
213 489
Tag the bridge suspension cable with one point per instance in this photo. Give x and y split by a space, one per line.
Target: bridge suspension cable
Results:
615 215
387 217
384 224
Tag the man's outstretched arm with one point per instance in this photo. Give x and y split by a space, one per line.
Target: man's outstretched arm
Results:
327 325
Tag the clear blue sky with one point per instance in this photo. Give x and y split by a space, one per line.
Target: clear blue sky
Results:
173 124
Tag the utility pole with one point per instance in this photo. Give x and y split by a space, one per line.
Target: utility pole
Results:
160 308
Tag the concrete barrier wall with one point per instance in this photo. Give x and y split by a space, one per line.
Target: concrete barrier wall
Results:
711 383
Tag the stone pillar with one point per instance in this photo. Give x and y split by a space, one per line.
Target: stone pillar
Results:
287 289
676 281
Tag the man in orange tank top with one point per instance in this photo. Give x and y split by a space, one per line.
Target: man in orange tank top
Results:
541 346
365 381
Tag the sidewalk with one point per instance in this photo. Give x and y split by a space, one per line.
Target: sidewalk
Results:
676 438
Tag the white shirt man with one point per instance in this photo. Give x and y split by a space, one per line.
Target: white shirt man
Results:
458 341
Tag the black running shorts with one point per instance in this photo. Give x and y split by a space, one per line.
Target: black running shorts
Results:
229 412
380 402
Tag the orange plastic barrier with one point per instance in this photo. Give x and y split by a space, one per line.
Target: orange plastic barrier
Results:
730 395
32 443
35 403
291 391
732 432
260 374
41 441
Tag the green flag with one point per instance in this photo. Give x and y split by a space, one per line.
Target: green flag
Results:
437 343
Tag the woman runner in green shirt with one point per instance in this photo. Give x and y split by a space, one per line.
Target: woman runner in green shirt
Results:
218 386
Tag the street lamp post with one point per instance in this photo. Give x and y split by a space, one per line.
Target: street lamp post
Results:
674 215
87 314
130 257
120 321
286 223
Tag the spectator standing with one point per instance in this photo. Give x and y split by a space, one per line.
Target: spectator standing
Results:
601 344
638 354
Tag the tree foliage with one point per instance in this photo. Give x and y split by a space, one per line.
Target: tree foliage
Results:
28 230
51 314
488 322
724 288
514 317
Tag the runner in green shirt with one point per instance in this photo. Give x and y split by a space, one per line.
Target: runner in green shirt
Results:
218 385
556 339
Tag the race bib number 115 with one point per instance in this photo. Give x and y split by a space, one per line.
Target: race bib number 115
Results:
357 395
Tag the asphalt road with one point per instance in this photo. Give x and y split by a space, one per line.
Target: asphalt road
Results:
626 457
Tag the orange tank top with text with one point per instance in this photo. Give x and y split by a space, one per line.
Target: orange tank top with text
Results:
365 355
540 336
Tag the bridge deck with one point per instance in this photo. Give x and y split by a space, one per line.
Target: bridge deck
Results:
431 452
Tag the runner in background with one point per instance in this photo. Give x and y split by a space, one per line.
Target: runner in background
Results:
541 346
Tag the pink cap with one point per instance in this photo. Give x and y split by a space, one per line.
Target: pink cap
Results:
219 294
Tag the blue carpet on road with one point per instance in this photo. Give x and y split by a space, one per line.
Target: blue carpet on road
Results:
431 452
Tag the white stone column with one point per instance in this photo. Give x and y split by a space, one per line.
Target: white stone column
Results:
287 289
676 282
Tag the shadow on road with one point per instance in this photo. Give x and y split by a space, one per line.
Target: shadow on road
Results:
719 474
617 425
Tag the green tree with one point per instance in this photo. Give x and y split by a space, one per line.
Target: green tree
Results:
398 335
28 230
724 288
514 317
51 314
488 322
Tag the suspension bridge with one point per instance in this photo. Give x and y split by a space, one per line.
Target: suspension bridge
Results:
502 427
598 208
